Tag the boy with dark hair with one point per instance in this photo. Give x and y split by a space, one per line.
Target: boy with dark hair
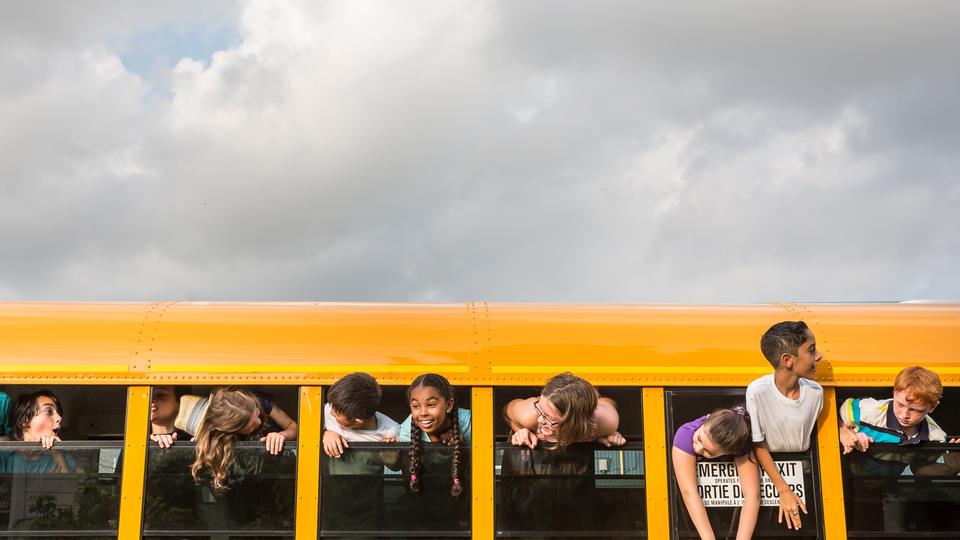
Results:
784 405
351 415
355 488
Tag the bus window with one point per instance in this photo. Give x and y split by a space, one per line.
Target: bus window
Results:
584 490
366 492
74 486
258 492
906 492
719 483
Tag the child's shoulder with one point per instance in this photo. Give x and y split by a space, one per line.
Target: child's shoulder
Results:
760 383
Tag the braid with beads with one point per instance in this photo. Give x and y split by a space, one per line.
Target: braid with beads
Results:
416 447
455 489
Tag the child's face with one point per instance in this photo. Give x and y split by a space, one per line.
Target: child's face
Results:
429 409
46 421
253 424
704 446
547 415
163 404
345 422
805 361
909 413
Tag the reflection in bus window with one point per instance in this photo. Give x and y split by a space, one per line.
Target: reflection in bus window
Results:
360 493
84 496
883 494
582 490
259 496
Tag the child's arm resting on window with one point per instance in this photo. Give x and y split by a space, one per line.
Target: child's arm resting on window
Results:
274 441
608 420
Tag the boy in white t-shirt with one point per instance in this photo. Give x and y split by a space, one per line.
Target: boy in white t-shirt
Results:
784 405
350 415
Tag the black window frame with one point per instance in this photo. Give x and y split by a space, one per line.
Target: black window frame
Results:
675 501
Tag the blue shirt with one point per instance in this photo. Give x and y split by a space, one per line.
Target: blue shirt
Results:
465 430
6 428
16 463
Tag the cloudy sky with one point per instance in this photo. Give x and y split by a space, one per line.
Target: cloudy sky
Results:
505 151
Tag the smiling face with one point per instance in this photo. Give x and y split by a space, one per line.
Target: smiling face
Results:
46 421
163 404
909 413
547 418
704 446
807 357
429 409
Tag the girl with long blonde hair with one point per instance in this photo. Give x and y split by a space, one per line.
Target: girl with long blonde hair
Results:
237 415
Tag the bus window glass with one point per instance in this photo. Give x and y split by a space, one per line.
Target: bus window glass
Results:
257 494
718 481
73 486
584 490
366 491
909 491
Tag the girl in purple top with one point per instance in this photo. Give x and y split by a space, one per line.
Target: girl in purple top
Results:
722 432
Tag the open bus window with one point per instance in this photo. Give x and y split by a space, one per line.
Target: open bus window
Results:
904 492
258 494
719 483
74 486
582 491
366 492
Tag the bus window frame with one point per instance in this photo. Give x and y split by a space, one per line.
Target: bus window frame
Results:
675 501
67 446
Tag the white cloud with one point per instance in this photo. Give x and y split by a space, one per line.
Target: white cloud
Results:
493 150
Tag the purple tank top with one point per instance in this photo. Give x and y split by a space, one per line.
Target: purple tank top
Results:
683 439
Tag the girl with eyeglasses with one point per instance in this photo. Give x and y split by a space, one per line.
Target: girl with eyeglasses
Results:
568 410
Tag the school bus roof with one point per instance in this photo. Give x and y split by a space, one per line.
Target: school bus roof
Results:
473 343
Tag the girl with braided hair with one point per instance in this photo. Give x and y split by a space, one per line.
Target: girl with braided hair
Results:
434 417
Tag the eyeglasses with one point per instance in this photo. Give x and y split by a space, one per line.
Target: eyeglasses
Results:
546 419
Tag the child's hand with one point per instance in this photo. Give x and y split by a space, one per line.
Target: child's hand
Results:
524 437
47 440
165 440
955 440
391 439
790 506
613 439
274 442
334 444
863 442
848 439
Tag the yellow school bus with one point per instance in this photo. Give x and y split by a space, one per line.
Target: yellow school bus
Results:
662 364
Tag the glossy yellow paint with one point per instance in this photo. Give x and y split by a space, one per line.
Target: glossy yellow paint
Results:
134 462
308 461
831 473
655 464
475 343
482 482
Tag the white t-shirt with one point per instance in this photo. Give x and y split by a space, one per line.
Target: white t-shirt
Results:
786 424
386 428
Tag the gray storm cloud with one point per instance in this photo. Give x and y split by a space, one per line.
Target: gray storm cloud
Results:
525 151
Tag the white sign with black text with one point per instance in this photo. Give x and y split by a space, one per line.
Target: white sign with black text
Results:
719 483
